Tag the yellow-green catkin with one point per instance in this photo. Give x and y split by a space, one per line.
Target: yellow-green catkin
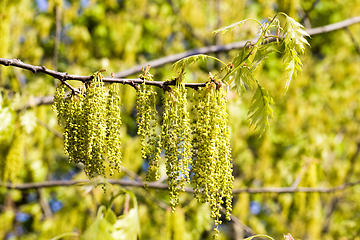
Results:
211 152
94 124
176 140
59 101
85 127
113 123
10 167
74 133
146 120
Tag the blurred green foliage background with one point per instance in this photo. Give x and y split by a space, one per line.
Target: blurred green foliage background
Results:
314 137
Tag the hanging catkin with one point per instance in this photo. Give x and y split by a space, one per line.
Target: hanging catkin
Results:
211 151
176 141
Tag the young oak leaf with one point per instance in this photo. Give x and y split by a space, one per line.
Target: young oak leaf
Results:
260 112
293 65
230 27
294 35
182 63
294 46
244 75
240 79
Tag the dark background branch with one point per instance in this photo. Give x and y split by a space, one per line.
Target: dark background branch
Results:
154 63
227 47
134 183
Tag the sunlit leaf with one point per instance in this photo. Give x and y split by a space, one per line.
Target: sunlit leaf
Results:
182 63
69 234
294 46
87 187
260 112
6 119
179 65
293 65
294 35
100 229
244 76
127 227
259 235
28 121
110 216
241 79
230 27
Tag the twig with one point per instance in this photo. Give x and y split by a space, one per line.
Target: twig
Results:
63 76
35 69
131 173
37 101
49 128
334 26
236 221
44 203
156 185
227 47
356 45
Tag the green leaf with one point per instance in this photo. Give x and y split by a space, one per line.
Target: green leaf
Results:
294 46
7 122
87 187
182 63
230 27
127 227
260 112
293 65
99 229
259 235
179 65
294 35
242 77
1 99
61 236
110 216
28 121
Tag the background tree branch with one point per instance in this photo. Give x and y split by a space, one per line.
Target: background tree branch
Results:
156 185
227 47
154 63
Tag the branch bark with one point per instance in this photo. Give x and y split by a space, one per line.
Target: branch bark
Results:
156 185
155 63
227 47
64 76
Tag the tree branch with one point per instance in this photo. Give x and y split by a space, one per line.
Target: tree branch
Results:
334 26
49 128
154 63
63 76
156 185
227 47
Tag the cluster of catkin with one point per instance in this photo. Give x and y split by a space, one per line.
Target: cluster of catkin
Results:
200 149
196 152
92 122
